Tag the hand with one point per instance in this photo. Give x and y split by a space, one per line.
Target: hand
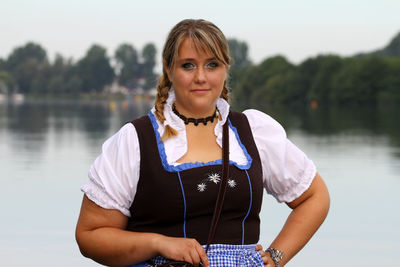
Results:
182 249
268 262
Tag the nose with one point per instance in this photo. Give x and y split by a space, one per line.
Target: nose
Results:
200 76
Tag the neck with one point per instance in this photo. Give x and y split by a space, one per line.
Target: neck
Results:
196 121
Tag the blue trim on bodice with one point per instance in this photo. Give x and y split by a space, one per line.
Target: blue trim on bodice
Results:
250 205
184 205
190 165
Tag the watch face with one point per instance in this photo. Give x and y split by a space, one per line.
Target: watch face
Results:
276 254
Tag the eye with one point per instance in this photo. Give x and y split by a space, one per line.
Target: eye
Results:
212 65
188 66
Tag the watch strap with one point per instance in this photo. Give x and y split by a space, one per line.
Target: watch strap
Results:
276 255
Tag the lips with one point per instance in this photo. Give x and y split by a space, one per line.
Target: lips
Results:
200 90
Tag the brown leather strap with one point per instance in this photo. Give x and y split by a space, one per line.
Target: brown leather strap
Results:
224 182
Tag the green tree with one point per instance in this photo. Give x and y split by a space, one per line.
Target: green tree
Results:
7 82
127 65
281 88
147 67
21 54
319 80
73 85
358 81
25 64
40 81
61 74
253 79
391 50
239 54
95 70
239 61
2 64
390 93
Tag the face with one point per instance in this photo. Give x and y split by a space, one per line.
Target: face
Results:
198 79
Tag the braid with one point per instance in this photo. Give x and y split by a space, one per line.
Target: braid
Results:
163 87
225 92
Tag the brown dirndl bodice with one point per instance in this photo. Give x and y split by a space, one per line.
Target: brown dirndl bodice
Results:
179 200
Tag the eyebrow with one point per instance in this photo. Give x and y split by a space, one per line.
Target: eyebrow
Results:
192 59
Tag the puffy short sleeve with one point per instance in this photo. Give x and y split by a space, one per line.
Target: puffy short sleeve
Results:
287 171
114 175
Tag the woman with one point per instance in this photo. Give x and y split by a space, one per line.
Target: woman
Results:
152 191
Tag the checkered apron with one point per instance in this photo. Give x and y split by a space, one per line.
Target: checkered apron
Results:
221 255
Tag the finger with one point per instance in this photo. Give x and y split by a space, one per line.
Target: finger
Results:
194 252
268 261
259 247
195 257
203 256
262 253
265 260
198 254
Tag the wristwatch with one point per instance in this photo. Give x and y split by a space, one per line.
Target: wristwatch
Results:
276 255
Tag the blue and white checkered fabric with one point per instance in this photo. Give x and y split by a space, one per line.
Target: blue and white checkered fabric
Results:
221 255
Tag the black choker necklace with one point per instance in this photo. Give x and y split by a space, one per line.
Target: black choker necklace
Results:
196 121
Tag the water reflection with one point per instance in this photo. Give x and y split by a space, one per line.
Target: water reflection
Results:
335 120
28 123
96 119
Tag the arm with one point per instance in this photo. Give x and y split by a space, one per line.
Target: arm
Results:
101 236
309 211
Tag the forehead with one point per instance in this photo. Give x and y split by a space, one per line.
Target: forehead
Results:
188 49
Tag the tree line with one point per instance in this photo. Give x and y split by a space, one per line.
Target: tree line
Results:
370 78
28 70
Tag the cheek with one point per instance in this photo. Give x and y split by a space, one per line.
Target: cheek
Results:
182 79
218 79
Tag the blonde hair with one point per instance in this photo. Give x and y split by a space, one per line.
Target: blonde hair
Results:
205 36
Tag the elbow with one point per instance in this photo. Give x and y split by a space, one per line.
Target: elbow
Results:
327 201
80 240
325 197
323 200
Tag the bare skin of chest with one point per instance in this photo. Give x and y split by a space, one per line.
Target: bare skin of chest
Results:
202 144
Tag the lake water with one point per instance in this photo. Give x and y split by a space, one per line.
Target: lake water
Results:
46 149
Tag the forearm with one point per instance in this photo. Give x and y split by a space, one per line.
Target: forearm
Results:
101 236
303 222
116 247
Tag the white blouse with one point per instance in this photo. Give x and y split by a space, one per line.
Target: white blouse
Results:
113 177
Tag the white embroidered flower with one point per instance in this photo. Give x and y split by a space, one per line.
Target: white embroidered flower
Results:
231 183
201 187
214 177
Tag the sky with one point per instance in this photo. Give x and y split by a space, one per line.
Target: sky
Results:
296 29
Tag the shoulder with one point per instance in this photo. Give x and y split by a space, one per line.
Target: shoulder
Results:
287 171
121 144
114 174
264 124
124 134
